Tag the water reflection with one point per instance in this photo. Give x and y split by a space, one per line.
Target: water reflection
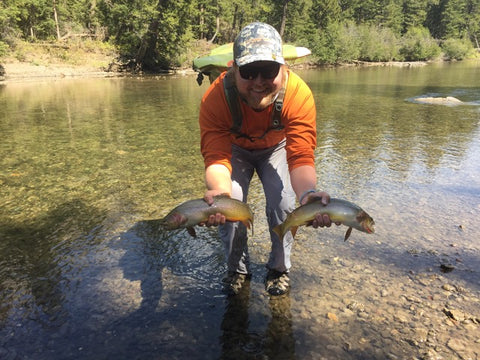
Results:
236 341
88 166
34 262
239 342
279 337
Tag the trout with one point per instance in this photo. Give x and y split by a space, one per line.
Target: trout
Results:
340 211
194 212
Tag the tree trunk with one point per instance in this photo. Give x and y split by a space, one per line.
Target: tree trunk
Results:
56 19
146 54
202 21
284 18
216 30
234 25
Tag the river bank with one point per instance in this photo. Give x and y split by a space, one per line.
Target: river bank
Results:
12 70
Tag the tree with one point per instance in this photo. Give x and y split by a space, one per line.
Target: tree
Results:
414 13
461 18
155 34
325 12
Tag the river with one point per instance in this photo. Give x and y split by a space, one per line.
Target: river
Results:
88 166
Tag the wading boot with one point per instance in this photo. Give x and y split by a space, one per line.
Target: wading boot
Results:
233 282
277 283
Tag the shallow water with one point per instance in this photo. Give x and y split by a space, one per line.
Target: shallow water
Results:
89 166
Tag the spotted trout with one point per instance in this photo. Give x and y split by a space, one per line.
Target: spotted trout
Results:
194 212
340 211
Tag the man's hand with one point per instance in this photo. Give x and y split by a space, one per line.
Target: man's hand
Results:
321 220
218 218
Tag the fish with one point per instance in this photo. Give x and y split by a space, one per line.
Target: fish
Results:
339 210
194 212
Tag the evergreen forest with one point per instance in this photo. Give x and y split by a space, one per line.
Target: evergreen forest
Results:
164 34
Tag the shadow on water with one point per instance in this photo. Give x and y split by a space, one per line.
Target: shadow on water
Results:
182 311
175 297
178 311
33 258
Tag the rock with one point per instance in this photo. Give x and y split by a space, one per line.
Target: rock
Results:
421 334
446 268
431 354
454 314
448 287
356 306
449 100
332 317
400 318
456 345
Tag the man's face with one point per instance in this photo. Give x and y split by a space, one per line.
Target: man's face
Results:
259 82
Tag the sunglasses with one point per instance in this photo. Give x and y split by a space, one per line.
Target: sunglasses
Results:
268 72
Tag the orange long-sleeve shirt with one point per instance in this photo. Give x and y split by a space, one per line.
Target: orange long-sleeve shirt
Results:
298 118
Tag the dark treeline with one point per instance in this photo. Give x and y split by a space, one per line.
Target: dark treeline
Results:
159 34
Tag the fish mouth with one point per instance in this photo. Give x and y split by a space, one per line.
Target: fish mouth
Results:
370 228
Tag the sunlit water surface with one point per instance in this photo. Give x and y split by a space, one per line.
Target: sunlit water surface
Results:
89 166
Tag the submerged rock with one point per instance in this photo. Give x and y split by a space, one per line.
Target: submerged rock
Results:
449 100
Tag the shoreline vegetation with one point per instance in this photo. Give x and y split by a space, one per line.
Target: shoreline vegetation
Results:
43 61
26 72
16 71
144 37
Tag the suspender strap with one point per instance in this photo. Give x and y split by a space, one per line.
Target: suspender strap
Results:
231 93
277 110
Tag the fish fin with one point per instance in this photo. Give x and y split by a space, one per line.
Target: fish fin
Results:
278 230
294 230
191 231
248 224
222 196
347 234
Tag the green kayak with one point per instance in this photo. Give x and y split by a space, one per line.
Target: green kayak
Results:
221 58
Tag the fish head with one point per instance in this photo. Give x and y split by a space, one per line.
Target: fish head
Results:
174 220
366 222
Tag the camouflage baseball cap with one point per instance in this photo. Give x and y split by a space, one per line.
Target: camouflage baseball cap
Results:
258 42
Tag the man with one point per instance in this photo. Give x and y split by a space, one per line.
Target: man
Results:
242 132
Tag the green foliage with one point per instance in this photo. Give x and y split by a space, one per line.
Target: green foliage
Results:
323 44
377 43
414 13
3 49
417 45
457 49
162 33
350 42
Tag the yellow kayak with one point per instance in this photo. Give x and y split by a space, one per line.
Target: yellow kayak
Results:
221 58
